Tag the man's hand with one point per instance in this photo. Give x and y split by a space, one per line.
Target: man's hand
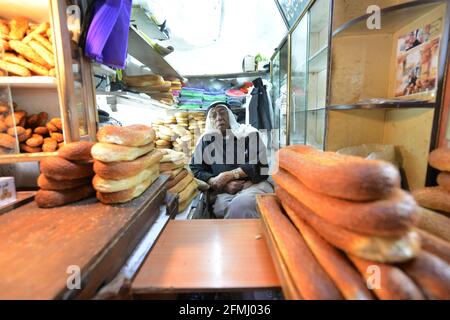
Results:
234 187
219 182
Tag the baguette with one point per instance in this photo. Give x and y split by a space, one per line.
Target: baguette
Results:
394 284
61 169
435 245
107 152
108 186
340 270
340 176
18 28
123 170
131 136
50 184
76 151
435 198
434 223
174 181
431 273
180 186
50 199
443 180
388 217
126 195
14 68
311 280
187 192
37 69
28 52
440 159
43 53
373 248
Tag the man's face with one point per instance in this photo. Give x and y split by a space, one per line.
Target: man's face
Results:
219 115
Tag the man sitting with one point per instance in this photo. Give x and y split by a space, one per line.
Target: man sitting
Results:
232 159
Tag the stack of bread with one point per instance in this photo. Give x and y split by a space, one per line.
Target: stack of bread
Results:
35 133
126 162
437 198
66 178
173 135
346 218
175 86
181 180
28 48
154 85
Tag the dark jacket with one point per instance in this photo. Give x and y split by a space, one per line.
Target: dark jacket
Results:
259 108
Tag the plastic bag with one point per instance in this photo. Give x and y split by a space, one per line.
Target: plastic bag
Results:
384 152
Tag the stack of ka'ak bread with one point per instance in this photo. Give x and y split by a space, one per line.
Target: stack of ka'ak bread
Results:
346 230
181 180
437 198
66 178
126 162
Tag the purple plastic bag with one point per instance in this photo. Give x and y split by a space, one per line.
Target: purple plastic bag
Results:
107 38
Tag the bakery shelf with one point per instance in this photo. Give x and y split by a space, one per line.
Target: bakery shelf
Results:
25 157
142 50
375 106
29 82
393 18
249 74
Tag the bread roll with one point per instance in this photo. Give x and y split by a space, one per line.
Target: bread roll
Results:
61 169
174 181
381 249
76 150
131 136
340 176
431 273
388 217
7 141
440 159
443 180
127 195
311 280
50 199
394 284
435 245
107 152
434 223
108 186
435 198
47 183
180 186
125 169
340 270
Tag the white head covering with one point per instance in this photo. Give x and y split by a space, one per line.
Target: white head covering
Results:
239 130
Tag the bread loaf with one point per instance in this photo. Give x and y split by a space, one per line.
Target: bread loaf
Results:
174 181
107 186
50 199
171 173
131 136
145 80
125 169
59 169
340 176
340 270
168 166
440 159
183 205
435 245
107 152
443 180
381 249
434 223
311 280
388 217
431 273
126 195
180 186
187 192
435 198
393 284
76 151
46 183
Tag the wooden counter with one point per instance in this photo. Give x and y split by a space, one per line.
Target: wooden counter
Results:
202 255
37 246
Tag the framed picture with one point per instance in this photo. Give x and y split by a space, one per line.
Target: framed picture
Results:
290 10
417 61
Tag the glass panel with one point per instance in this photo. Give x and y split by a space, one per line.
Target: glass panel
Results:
275 80
291 10
284 55
299 72
315 128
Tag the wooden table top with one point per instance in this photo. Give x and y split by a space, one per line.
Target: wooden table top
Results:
38 245
202 255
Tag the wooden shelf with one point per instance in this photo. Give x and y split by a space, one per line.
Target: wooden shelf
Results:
393 18
25 157
406 105
29 82
143 51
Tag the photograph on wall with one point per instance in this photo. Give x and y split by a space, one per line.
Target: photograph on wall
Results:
417 60
291 10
